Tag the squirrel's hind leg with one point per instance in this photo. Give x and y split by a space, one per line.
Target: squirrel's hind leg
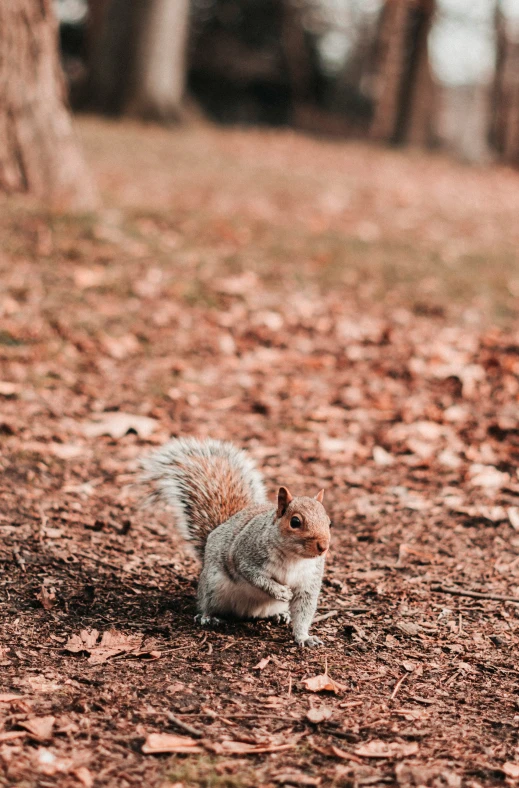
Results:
208 621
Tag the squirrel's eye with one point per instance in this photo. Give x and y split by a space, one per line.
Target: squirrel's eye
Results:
295 522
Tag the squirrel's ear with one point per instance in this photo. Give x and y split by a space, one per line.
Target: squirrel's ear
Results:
320 495
284 499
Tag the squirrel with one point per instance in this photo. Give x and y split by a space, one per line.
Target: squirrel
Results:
258 561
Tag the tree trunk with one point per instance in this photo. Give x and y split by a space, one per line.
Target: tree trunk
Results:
160 66
405 101
39 153
504 131
138 56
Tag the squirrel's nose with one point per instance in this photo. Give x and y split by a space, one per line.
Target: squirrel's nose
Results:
321 547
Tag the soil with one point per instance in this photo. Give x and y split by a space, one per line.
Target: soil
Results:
348 316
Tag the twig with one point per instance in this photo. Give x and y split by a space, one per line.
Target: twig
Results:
475 594
18 558
184 726
324 616
398 685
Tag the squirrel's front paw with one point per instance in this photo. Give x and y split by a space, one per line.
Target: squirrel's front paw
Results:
282 618
310 642
283 594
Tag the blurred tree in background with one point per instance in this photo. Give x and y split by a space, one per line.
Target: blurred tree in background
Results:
136 56
38 150
421 72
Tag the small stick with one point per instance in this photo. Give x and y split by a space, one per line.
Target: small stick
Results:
289 693
324 616
475 594
398 685
184 726
18 558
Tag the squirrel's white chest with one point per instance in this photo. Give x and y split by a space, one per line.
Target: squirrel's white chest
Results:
292 573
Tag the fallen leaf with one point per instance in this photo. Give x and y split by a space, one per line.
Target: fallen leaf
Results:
113 643
382 457
177 686
121 347
169 742
383 749
40 727
409 628
511 770
487 476
46 596
9 697
243 748
513 516
8 389
88 277
262 663
84 776
9 735
85 641
118 424
319 714
322 683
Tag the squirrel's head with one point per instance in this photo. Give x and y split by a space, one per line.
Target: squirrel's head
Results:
303 523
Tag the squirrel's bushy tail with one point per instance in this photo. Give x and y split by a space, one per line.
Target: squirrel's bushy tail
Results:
205 483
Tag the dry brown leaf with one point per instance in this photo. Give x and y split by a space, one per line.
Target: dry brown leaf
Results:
243 748
383 749
85 641
113 643
323 683
511 770
117 424
40 727
10 735
319 714
513 516
169 742
262 663
9 697
84 776
46 596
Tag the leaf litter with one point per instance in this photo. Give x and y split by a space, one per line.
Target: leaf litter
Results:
259 315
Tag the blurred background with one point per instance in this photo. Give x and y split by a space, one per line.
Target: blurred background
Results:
424 72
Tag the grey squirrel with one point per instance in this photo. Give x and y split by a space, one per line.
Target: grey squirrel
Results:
258 561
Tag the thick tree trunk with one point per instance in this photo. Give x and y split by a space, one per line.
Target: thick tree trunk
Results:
39 153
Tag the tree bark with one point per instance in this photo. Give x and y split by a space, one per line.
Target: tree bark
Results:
504 132
138 57
160 66
405 103
39 153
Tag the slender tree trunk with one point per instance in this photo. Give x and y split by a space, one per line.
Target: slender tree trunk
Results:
39 153
405 102
138 56
505 110
159 74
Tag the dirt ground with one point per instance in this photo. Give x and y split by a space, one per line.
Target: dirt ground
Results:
349 316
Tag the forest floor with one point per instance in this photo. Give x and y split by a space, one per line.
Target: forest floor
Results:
349 316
